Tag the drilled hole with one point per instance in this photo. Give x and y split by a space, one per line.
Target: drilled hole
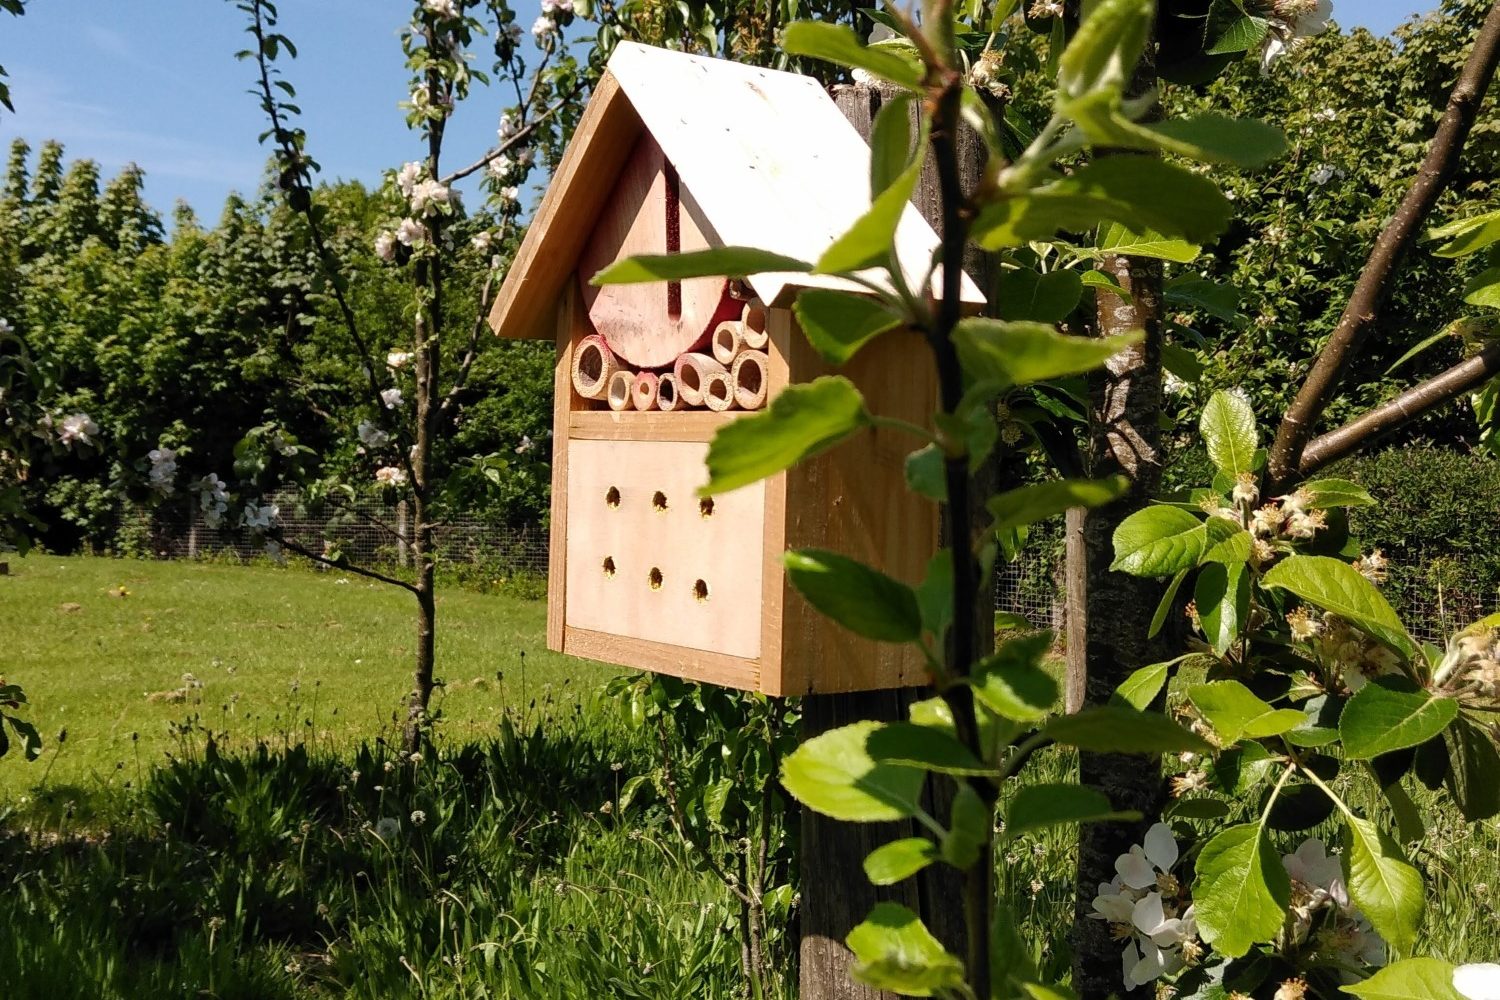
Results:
700 591
653 579
609 566
612 498
659 501
706 507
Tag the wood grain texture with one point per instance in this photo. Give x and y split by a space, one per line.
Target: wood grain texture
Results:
571 327
635 320
693 664
604 425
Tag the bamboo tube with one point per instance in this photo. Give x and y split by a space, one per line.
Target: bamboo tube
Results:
728 341
753 327
619 392
691 371
643 391
749 379
718 391
666 393
593 365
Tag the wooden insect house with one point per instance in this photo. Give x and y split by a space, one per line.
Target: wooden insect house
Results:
676 153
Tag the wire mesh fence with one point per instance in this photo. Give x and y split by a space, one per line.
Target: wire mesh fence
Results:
1428 591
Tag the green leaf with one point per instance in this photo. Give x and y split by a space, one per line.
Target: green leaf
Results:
1411 979
935 595
1214 138
1471 778
1242 35
1137 192
1391 713
734 262
1116 729
1240 769
1164 606
894 951
1118 239
1484 289
1235 712
1382 883
970 823
1199 809
837 43
1182 362
863 600
1335 586
1467 236
1021 353
1030 504
1140 689
803 420
1040 807
1023 294
1233 550
1228 428
1011 682
899 860
1104 50
923 747
1327 494
1242 892
870 240
1158 541
1104 281
838 324
1218 300
835 775
1223 599
890 143
927 473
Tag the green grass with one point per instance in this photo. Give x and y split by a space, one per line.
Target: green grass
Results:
280 653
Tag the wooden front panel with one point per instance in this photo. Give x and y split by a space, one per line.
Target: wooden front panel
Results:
646 560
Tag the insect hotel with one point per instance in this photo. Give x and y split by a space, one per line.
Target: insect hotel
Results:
676 153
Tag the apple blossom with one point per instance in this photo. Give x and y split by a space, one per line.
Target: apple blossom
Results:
391 398
509 126
481 241
163 469
544 28
411 233
408 175
441 8
1289 22
76 428
526 445
1480 981
372 437
385 246
500 167
260 517
557 6
509 195
390 475
5 328
428 196
397 359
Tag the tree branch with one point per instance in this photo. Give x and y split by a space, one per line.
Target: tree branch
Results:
346 567
461 378
1457 381
1375 282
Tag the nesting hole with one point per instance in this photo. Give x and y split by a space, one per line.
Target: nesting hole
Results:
706 507
700 591
750 378
653 578
688 377
659 501
591 364
609 567
719 389
612 498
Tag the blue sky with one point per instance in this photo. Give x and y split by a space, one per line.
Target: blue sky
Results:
155 82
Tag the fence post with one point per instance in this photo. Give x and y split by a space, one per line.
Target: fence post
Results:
402 555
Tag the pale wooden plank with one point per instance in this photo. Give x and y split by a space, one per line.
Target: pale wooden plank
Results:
568 322
692 664
773 576
636 425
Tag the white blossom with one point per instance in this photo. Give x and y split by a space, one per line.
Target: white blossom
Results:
390 475
1322 174
509 126
1326 115
372 437
1142 906
407 177
163 469
557 6
481 241
1140 867
213 499
508 195
76 428
1291 21
543 28
1157 940
397 359
1480 981
385 246
441 8
526 445
391 398
525 158
5 328
500 167
260 517
428 196
284 446
411 233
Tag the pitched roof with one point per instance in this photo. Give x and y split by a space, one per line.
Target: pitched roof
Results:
765 159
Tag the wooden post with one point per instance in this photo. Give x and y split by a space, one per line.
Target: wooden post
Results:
836 895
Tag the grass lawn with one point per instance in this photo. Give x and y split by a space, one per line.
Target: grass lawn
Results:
281 654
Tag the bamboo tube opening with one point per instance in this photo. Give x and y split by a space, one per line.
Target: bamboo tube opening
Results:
594 365
753 327
620 384
718 391
749 380
692 373
729 340
644 391
666 394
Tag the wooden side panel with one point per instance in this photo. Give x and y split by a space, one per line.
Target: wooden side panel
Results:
660 658
649 560
773 583
545 261
571 326
853 500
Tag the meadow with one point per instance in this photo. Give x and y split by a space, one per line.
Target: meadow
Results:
263 837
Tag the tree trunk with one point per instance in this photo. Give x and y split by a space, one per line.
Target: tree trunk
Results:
1107 612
